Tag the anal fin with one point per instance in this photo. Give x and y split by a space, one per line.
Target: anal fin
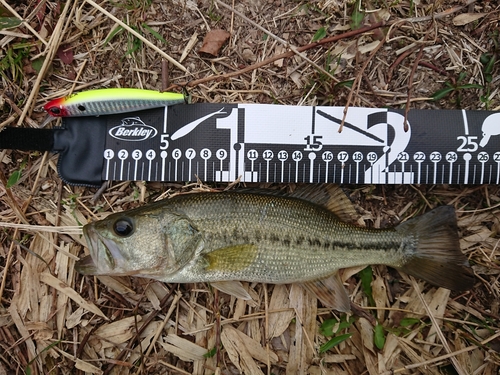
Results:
330 292
233 288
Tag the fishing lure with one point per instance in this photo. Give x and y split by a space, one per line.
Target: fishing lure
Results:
110 101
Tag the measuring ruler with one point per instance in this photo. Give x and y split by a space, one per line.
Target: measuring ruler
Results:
274 143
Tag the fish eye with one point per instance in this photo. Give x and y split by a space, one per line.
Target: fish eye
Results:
55 111
123 227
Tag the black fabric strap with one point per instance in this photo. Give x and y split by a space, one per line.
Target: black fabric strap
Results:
79 142
27 139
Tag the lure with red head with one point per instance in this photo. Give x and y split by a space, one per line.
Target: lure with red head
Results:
56 108
110 101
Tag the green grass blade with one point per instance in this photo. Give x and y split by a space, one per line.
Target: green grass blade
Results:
320 34
379 336
13 179
9 22
115 32
366 276
326 328
470 86
154 33
334 342
210 353
440 94
406 322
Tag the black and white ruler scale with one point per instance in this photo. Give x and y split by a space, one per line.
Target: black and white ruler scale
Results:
273 143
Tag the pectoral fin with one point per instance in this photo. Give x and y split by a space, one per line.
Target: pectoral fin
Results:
330 292
233 288
231 258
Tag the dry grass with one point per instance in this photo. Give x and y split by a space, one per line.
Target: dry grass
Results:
53 321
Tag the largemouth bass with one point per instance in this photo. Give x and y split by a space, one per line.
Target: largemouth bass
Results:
232 236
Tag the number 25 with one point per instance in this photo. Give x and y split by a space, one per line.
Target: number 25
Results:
467 140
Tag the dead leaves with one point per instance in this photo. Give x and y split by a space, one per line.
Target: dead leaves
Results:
55 283
65 53
182 348
239 347
213 42
465 18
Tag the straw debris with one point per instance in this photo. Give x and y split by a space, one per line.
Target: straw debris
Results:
54 321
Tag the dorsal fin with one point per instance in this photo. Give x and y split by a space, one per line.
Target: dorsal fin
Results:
330 196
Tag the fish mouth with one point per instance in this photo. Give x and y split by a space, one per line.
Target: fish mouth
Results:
102 254
86 266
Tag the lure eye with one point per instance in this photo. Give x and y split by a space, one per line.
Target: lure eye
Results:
54 111
123 227
81 108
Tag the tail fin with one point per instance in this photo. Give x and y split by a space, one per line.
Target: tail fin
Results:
437 258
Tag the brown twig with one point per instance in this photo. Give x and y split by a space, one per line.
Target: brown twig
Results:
165 80
396 62
357 82
321 42
50 51
410 82
433 67
434 16
278 57
285 43
217 328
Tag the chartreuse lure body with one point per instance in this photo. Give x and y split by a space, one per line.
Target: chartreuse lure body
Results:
110 101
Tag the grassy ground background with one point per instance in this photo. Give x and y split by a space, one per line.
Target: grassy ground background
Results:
52 320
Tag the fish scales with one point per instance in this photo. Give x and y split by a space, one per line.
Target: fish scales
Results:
257 236
295 240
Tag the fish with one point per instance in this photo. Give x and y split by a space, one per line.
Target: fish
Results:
110 101
303 237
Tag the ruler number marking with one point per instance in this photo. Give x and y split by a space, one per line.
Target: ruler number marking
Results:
313 143
469 143
403 157
164 141
435 157
472 160
483 157
372 157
